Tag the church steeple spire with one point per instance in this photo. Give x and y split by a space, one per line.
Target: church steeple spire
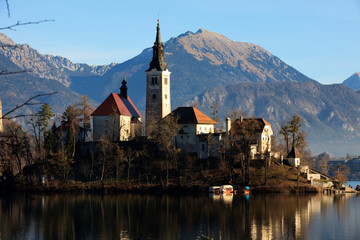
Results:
158 60
158 37
124 88
158 101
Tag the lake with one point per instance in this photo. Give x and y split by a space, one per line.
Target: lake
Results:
136 216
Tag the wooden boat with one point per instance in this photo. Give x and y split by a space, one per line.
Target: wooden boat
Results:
214 189
226 189
247 190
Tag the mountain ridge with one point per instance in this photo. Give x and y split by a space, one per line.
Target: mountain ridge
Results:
202 63
326 110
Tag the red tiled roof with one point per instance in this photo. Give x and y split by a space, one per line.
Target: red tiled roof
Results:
266 123
191 115
115 104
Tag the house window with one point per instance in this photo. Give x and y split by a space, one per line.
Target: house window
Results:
154 96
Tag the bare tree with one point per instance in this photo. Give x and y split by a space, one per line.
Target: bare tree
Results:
164 133
290 130
242 138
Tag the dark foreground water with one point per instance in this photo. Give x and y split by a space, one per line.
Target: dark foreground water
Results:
129 216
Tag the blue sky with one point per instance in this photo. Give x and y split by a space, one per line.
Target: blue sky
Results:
320 38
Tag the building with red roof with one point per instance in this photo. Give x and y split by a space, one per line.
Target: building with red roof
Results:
117 117
192 124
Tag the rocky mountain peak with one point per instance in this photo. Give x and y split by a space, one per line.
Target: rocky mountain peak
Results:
353 81
253 62
218 49
47 66
6 40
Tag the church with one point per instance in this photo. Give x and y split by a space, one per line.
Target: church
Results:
158 103
119 119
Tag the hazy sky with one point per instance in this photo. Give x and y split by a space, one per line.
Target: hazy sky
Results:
320 38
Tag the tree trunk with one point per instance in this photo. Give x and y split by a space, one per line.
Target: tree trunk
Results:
128 173
167 171
102 171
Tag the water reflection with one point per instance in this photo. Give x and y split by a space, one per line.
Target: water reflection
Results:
129 216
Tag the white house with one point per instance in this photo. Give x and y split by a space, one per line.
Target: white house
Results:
192 123
258 129
117 117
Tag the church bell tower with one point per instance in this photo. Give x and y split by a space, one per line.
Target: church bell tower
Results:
157 86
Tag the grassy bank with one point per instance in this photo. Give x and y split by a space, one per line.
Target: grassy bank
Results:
276 179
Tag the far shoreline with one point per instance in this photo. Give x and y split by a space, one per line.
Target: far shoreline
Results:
146 188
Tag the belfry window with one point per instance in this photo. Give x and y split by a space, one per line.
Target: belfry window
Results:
165 81
154 81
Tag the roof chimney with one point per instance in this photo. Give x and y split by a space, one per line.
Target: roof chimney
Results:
124 89
228 125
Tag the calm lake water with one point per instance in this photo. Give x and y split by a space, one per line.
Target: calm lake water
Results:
135 216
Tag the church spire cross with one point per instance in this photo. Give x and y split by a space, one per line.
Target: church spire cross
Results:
158 37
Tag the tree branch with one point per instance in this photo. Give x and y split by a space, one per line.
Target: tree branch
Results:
27 102
8 7
19 23
5 72
3 46
21 115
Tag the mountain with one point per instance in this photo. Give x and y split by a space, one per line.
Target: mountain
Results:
194 59
206 67
330 113
15 89
47 66
353 81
